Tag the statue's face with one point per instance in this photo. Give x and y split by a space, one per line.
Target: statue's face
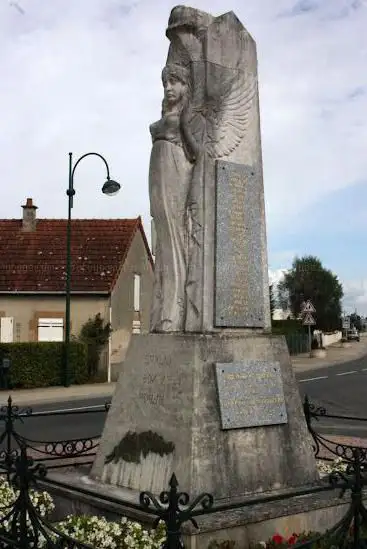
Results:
174 89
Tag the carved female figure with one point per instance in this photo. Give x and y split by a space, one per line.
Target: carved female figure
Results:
170 173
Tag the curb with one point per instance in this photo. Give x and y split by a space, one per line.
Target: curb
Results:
51 395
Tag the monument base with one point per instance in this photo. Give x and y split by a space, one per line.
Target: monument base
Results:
165 418
250 523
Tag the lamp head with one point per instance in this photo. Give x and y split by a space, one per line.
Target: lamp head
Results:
111 187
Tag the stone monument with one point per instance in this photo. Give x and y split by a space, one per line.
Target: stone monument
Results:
209 393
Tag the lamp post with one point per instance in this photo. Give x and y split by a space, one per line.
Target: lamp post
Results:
110 188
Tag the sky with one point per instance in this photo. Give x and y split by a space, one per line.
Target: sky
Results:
84 75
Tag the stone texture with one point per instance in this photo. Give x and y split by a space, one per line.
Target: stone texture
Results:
167 388
255 521
238 261
210 113
250 394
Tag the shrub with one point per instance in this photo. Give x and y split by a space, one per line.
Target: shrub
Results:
92 530
290 326
95 333
39 364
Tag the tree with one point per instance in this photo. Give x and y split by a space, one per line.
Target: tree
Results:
95 334
308 279
356 321
272 300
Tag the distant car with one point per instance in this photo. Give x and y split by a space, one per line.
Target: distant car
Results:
353 335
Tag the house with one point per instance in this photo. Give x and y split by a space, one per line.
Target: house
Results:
111 274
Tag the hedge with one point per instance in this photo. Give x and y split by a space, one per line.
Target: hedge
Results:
290 326
39 364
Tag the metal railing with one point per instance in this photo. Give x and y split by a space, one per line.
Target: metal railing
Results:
56 454
25 528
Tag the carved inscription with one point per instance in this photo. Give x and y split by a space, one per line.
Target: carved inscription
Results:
157 388
250 394
239 300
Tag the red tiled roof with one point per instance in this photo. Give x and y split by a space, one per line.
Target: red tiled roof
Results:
36 261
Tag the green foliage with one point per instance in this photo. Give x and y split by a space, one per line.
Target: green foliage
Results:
356 321
290 326
94 334
39 364
308 279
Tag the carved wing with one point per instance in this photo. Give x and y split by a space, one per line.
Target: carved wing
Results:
227 121
224 117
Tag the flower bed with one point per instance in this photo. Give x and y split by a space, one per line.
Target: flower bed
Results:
327 467
95 531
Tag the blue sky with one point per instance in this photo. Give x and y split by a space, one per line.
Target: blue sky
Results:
85 75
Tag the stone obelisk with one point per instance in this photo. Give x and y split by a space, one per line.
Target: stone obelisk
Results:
209 393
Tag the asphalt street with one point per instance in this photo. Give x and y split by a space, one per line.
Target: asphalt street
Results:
87 421
340 388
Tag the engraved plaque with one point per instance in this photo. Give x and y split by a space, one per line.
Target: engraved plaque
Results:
250 394
239 285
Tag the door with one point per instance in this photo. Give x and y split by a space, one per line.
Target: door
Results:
7 329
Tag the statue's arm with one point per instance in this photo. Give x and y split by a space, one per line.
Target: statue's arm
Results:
193 147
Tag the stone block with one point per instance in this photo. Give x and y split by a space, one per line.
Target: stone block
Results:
165 418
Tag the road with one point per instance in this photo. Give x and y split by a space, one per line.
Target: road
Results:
341 389
64 426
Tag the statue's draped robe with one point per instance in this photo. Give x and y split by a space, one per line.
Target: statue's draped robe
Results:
170 175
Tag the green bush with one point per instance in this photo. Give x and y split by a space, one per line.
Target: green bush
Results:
39 364
290 326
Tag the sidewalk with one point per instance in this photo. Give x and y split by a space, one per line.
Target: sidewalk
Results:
335 354
48 395
301 363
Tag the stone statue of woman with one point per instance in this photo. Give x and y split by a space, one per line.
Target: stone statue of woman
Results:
171 167
200 123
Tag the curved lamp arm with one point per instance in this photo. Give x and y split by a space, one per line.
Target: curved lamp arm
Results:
84 156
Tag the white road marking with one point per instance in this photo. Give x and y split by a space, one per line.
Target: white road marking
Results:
313 378
347 373
73 409
364 370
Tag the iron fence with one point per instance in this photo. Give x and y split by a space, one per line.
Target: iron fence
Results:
22 526
297 343
54 454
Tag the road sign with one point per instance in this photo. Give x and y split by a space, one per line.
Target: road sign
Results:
308 307
308 319
346 323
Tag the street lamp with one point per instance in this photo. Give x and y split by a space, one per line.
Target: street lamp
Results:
110 188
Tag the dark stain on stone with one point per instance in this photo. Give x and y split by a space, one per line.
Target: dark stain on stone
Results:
133 445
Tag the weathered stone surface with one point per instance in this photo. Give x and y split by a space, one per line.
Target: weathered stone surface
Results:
168 387
250 394
245 525
210 112
238 261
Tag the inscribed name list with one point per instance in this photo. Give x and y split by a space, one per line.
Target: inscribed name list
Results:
239 300
250 394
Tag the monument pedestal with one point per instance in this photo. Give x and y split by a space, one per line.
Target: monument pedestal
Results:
165 418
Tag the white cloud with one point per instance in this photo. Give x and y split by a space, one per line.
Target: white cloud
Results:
276 276
355 297
84 76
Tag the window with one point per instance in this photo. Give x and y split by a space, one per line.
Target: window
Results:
50 329
136 292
